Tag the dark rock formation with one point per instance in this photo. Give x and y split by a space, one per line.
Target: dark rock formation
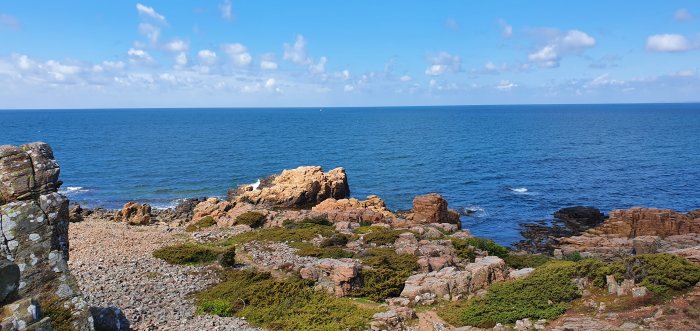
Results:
185 209
543 237
580 217
34 228
109 319
9 280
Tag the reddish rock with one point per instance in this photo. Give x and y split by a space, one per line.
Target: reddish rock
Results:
134 213
340 277
372 210
432 208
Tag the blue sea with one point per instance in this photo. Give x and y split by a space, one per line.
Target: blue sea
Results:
508 164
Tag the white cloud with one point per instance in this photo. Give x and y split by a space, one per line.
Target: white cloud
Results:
206 57
267 62
225 10
181 60
177 45
405 78
150 31
24 62
348 88
320 67
9 21
682 15
345 74
270 83
238 54
296 52
558 45
150 12
139 56
668 43
506 85
442 63
506 29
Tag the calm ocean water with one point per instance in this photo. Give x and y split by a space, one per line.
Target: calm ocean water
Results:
511 164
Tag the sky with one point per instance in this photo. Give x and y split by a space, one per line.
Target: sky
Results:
229 53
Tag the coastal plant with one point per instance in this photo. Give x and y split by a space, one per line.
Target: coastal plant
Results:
380 235
335 240
519 261
318 220
465 247
201 224
302 232
228 258
307 249
573 256
251 218
281 304
385 273
188 253
544 294
660 273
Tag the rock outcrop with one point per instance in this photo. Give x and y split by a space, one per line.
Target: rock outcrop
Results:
452 284
34 226
9 280
296 188
543 237
134 214
427 209
637 231
371 210
339 277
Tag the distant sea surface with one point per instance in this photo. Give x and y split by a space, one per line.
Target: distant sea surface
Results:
507 164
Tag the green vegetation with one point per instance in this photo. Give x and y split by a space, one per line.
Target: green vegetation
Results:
300 232
465 247
380 235
201 224
228 258
387 273
660 273
335 240
544 294
251 218
575 257
275 304
188 253
61 317
307 249
519 261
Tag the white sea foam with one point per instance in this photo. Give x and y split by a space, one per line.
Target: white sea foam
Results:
519 189
73 190
255 185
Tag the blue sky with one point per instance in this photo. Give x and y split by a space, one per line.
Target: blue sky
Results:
84 54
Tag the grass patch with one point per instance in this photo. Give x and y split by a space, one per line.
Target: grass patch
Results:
519 261
544 294
188 253
201 224
251 218
387 274
289 304
380 235
153 275
301 232
465 247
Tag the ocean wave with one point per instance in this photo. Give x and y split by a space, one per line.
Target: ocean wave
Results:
73 190
518 189
255 185
472 211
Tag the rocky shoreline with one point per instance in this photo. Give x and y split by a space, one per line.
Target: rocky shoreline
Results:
366 266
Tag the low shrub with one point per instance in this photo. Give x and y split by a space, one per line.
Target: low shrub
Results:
301 233
387 273
380 235
519 261
188 253
201 224
228 258
338 239
465 247
575 257
660 273
289 304
251 218
544 294
318 220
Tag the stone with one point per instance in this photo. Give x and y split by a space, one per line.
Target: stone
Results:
393 319
612 284
639 292
75 214
185 208
432 208
520 273
9 280
524 324
336 276
370 210
109 319
24 314
27 171
296 188
580 216
134 214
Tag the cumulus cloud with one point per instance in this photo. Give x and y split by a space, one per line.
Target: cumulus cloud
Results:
225 10
506 29
181 60
682 15
238 54
670 43
297 51
506 85
558 45
150 12
267 62
405 78
9 21
206 57
320 67
442 63
139 56
176 46
150 31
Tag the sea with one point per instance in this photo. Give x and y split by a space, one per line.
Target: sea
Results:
499 165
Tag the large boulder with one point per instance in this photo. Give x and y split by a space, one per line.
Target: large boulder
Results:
27 170
9 280
340 277
134 214
637 231
452 284
431 208
24 314
34 224
580 216
371 210
296 188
